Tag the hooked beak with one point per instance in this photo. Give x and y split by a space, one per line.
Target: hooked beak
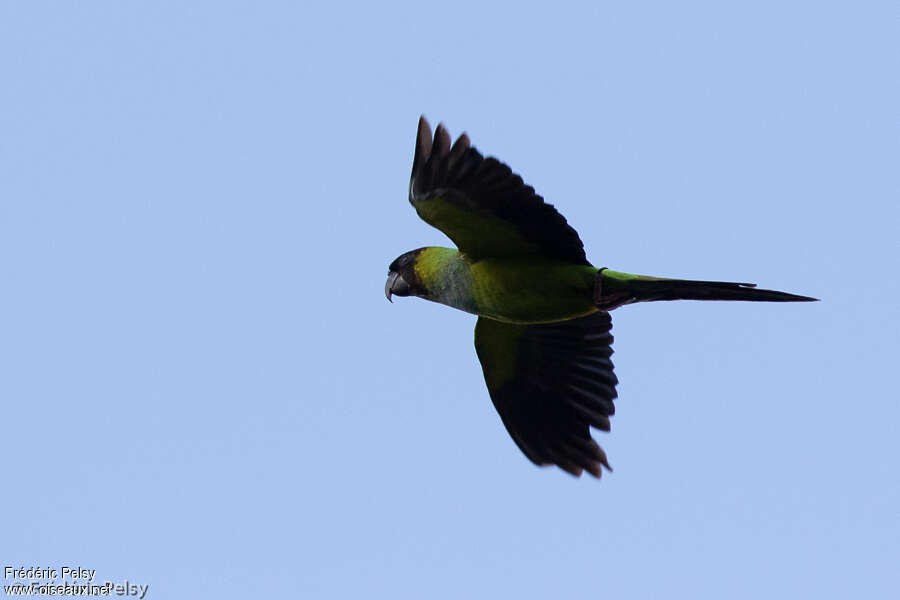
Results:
395 285
389 286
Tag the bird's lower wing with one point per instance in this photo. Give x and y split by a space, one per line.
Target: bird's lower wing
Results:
551 383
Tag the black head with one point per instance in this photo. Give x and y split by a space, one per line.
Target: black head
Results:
402 279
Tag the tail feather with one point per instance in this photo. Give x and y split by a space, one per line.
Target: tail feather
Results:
614 289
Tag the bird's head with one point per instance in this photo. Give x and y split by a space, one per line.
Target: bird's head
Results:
402 278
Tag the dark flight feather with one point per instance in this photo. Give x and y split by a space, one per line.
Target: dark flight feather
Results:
552 384
448 183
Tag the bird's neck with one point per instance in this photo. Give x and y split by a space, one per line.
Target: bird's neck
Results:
447 276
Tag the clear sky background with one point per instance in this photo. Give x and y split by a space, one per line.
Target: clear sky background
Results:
205 390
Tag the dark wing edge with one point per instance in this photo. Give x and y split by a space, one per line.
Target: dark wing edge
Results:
460 175
560 385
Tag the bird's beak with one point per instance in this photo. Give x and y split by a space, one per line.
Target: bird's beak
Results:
389 286
396 285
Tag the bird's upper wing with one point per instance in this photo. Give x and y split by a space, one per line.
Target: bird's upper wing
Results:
485 208
551 383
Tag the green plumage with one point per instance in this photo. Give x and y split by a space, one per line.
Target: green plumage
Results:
513 289
543 333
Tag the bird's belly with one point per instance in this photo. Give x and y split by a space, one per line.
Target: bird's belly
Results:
533 293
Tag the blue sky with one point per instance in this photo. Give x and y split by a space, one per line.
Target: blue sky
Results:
204 389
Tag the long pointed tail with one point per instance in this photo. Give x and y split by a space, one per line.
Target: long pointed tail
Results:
614 288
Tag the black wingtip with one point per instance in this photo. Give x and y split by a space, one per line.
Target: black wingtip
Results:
460 146
575 460
423 142
441 142
424 128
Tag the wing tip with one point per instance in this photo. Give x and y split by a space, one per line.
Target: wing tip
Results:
423 142
600 461
441 145
595 469
460 146
574 458
438 142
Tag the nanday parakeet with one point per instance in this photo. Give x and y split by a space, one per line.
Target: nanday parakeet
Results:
543 330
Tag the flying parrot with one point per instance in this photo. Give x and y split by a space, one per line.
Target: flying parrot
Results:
543 330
